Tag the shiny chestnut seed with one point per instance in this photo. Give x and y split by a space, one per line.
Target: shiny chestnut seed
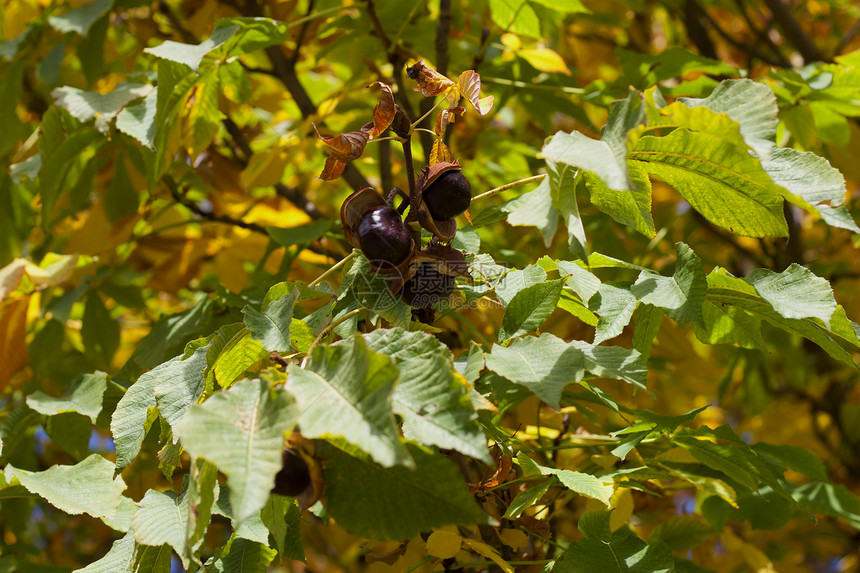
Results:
383 236
448 196
294 476
427 286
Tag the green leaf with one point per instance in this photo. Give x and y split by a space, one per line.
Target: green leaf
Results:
535 209
84 105
86 487
724 290
584 484
80 19
516 280
301 234
515 16
562 184
795 458
282 518
346 390
119 559
681 296
243 556
121 197
530 308
648 322
401 344
132 418
84 396
544 365
584 283
238 356
54 176
722 182
615 306
180 520
271 328
71 432
682 533
812 183
241 430
620 551
192 54
613 362
834 500
436 409
527 498
138 120
397 502
795 293
752 105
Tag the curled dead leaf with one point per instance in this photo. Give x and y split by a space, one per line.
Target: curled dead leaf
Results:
345 148
430 82
469 84
385 110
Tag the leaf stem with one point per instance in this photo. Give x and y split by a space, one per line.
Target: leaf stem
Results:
316 15
415 123
325 332
430 131
334 267
470 564
507 186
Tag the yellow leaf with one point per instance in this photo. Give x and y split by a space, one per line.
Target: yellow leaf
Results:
490 553
265 168
443 544
754 556
622 502
11 276
514 538
440 153
545 60
13 330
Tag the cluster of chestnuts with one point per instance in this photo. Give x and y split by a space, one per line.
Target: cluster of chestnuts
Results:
373 224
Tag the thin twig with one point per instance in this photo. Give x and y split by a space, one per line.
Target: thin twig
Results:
443 29
208 215
794 31
336 266
507 186
327 330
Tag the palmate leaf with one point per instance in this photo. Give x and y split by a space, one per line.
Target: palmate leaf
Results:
397 502
241 430
535 209
79 20
620 551
516 280
615 306
346 390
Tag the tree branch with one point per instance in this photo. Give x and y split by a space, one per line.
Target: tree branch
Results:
794 31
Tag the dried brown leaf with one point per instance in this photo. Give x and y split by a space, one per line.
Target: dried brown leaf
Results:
430 82
346 146
383 113
333 168
469 85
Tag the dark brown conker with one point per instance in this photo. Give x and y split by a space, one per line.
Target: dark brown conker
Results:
448 196
384 237
294 476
